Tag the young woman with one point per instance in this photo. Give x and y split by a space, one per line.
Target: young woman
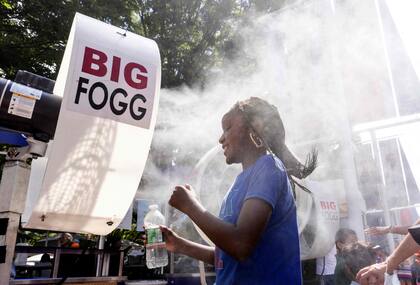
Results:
256 234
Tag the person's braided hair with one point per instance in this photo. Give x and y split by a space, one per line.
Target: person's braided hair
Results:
264 119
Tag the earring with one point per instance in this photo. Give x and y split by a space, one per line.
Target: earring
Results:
256 140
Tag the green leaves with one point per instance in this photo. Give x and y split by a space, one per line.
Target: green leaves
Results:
33 34
189 33
194 36
6 4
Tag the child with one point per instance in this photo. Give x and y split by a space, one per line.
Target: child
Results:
343 237
256 234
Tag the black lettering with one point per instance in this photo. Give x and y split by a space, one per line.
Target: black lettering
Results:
105 99
123 105
80 89
142 111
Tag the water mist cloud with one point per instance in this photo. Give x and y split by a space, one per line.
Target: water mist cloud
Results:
321 64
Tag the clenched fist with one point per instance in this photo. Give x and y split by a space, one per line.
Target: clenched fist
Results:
184 199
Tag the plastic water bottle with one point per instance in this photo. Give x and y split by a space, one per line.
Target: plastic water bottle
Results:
156 253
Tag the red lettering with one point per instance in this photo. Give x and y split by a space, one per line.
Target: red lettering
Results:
98 61
94 63
141 81
323 205
332 205
115 72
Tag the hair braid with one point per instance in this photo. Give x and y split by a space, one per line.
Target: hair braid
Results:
265 121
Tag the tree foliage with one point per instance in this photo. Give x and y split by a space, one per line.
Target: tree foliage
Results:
190 33
33 34
193 35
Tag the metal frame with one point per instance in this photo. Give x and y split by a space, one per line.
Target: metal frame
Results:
102 263
72 280
371 129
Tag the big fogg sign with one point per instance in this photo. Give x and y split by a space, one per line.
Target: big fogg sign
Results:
113 86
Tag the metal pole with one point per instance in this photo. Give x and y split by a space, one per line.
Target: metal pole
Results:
404 176
13 188
378 159
101 245
46 238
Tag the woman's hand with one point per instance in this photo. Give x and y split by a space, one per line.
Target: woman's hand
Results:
376 231
372 275
173 241
184 199
177 244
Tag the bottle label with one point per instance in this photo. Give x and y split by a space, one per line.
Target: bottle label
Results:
154 235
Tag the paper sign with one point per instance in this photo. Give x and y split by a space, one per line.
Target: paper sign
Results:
21 105
110 86
109 83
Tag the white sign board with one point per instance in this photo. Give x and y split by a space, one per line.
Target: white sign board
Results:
318 216
110 81
38 167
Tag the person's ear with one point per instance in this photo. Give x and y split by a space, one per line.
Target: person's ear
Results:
256 140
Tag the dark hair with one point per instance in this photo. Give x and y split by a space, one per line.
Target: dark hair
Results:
45 258
343 233
356 256
264 119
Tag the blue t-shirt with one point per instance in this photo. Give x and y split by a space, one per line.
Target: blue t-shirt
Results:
276 258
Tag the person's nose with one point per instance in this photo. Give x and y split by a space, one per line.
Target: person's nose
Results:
222 138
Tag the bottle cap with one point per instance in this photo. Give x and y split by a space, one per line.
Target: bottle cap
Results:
153 207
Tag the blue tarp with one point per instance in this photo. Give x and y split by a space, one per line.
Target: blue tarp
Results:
11 138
